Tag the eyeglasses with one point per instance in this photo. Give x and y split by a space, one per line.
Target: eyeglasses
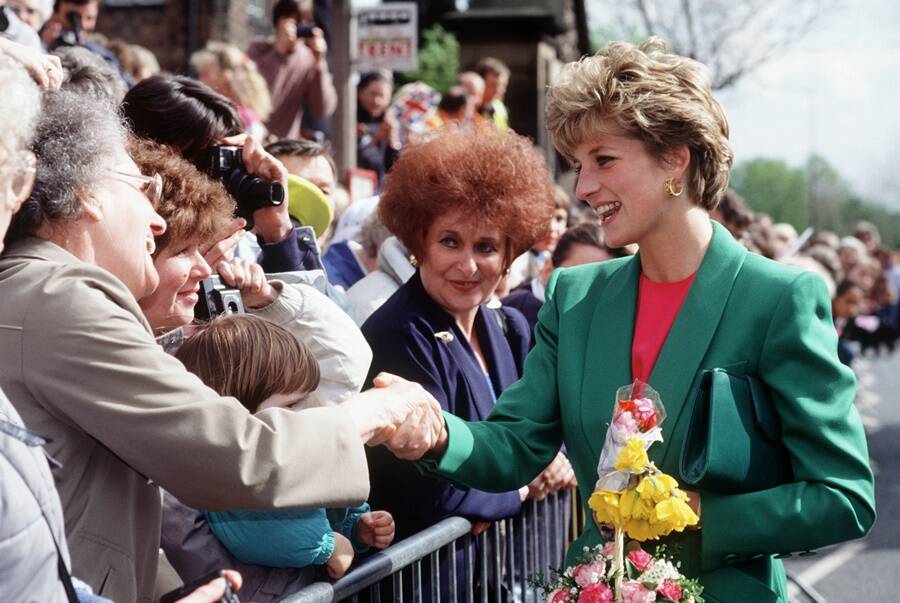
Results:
151 186
17 172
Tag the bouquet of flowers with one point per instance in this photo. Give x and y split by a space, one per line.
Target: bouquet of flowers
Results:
638 500
646 579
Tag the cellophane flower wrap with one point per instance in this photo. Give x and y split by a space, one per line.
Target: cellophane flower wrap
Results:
636 419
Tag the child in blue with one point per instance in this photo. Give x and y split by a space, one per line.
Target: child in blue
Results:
264 366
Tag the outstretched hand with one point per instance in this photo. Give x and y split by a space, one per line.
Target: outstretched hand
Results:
399 414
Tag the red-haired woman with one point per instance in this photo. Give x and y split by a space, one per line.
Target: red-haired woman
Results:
465 203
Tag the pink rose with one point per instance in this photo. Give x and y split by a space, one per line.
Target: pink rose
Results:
670 590
640 559
589 573
645 413
595 593
609 550
634 592
625 424
558 596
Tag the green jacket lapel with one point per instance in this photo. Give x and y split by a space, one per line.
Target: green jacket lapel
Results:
696 323
607 362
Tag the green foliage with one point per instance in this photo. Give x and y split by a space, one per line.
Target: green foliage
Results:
815 194
602 36
438 61
772 187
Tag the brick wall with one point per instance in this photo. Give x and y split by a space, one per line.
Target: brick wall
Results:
164 29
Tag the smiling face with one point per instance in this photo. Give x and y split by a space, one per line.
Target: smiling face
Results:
181 267
463 263
126 227
624 184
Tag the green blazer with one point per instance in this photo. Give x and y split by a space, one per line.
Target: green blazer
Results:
744 313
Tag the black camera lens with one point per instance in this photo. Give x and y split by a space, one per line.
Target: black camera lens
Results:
253 193
250 192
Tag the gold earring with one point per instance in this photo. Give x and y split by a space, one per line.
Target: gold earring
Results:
674 187
413 261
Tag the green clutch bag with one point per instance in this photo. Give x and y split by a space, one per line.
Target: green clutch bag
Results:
733 442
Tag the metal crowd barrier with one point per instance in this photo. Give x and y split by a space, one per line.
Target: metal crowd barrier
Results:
515 549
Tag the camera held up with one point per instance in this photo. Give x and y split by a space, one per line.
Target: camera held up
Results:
250 192
216 298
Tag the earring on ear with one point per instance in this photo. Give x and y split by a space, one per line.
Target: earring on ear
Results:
413 261
673 187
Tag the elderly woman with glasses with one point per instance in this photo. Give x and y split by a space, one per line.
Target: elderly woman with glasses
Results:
123 417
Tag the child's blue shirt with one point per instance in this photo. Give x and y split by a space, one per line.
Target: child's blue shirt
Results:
285 537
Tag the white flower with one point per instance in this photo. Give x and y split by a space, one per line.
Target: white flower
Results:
444 336
660 571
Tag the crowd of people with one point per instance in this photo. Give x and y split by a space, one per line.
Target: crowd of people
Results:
283 441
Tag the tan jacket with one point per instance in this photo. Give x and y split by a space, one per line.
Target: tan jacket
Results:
78 360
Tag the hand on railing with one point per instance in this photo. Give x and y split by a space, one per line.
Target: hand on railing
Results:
376 529
479 526
557 476
341 557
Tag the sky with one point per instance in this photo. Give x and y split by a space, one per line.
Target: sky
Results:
836 93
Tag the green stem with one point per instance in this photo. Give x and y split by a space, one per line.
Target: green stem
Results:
619 562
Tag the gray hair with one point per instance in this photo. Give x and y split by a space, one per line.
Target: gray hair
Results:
87 73
77 141
19 103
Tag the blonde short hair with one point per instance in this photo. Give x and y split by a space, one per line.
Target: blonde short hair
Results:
663 100
247 84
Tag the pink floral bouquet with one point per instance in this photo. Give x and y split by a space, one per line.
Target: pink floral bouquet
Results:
647 579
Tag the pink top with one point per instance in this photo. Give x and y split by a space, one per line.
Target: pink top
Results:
296 84
658 305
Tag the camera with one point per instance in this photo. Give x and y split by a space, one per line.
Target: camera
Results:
305 30
71 36
229 596
250 192
216 298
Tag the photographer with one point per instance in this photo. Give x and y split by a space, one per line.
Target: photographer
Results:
71 24
295 68
121 415
196 121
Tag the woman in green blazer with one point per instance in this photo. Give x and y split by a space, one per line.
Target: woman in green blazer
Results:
651 147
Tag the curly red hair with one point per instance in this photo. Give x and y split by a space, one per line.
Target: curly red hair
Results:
490 175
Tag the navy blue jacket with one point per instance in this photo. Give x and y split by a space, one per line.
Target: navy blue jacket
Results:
523 299
341 266
402 335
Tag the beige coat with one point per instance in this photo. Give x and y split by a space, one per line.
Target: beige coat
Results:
78 360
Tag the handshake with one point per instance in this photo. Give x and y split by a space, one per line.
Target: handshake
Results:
401 415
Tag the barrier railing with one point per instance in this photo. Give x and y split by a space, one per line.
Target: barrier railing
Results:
496 564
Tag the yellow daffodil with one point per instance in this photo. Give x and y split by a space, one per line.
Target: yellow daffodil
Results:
641 529
657 487
675 514
632 505
633 457
605 504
